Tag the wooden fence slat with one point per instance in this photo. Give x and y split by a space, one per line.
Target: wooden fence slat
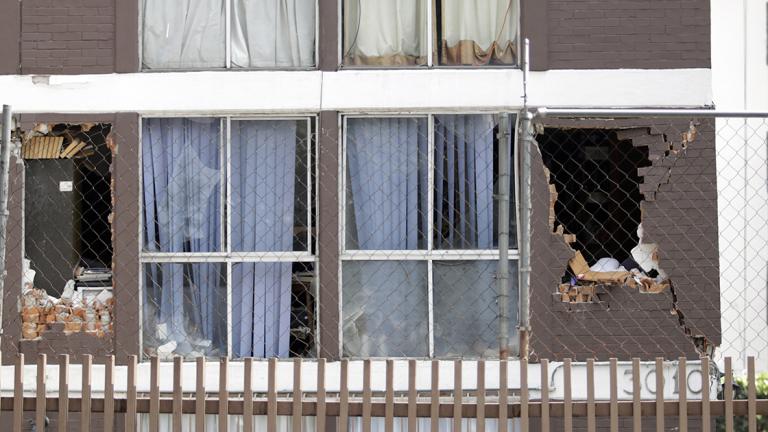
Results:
389 398
457 395
545 395
130 415
177 395
590 395
705 426
321 395
63 417
614 382
682 394
412 395
751 395
344 396
636 389
297 397
109 394
480 396
223 395
434 406
18 393
248 395
85 403
728 391
567 400
41 393
524 421
367 395
271 395
503 395
659 394
200 394
154 394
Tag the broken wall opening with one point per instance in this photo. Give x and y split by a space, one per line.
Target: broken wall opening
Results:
67 228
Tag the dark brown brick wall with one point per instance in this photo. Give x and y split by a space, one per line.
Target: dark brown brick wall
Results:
680 216
608 34
67 37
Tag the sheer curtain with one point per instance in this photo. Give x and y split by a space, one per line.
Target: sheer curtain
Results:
464 181
273 33
479 32
387 165
183 34
385 33
182 209
263 179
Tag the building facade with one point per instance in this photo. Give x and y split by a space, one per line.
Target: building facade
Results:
319 178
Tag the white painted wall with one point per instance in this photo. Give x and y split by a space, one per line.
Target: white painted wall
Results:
353 91
740 82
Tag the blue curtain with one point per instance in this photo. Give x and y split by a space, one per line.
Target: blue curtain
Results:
263 186
182 209
387 160
464 181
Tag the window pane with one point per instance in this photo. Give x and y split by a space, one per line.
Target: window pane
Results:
273 33
385 309
185 310
466 309
183 34
182 184
273 308
478 32
386 183
385 33
466 182
269 185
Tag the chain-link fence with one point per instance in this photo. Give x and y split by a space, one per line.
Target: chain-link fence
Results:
378 236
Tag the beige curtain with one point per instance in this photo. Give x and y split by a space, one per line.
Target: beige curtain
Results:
385 32
479 32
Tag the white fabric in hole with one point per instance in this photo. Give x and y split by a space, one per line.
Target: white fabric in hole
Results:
481 21
374 28
183 34
273 33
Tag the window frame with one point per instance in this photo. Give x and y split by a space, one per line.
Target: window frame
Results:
226 256
431 40
228 47
430 254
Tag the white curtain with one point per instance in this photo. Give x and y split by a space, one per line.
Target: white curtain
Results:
380 32
263 183
183 34
487 29
273 33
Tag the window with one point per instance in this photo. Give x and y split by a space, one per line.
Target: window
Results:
212 34
227 237
430 32
420 246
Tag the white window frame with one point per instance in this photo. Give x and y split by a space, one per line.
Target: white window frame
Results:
228 46
227 256
430 254
431 27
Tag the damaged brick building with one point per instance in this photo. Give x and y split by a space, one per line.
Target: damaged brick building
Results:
327 91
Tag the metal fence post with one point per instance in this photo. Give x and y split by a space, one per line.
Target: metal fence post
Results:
502 277
5 157
526 142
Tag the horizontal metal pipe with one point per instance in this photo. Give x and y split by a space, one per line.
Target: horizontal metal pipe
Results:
626 113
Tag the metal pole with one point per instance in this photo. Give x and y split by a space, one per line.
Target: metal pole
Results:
526 135
502 276
5 160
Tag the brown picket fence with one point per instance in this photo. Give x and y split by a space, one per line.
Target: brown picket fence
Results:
342 403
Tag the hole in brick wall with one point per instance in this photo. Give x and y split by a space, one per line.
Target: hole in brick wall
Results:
67 228
595 205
